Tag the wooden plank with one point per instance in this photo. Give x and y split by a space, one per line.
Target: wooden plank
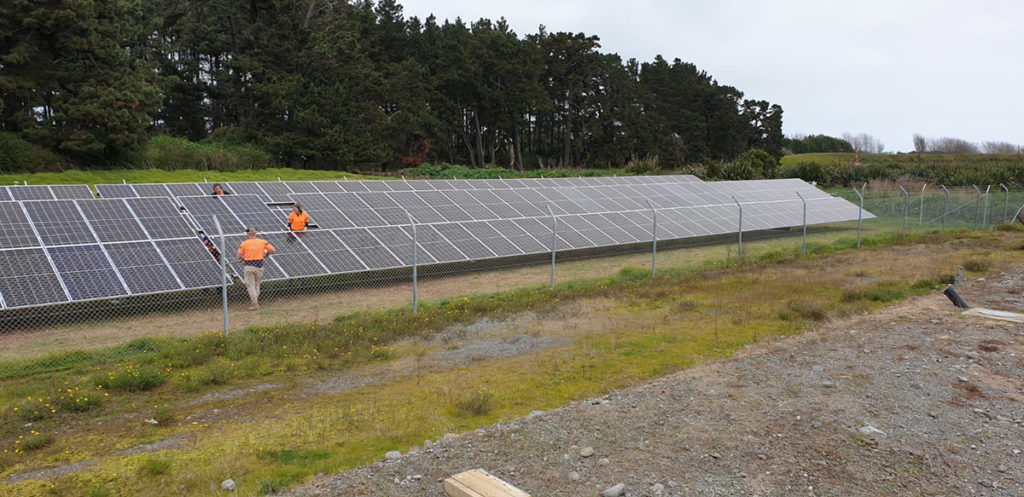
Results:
479 483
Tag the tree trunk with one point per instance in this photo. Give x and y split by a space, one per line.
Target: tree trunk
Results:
567 138
479 139
517 149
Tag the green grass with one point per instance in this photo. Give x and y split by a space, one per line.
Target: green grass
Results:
92 177
675 320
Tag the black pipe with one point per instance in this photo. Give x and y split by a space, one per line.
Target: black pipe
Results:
955 297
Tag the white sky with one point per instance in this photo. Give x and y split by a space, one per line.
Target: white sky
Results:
889 68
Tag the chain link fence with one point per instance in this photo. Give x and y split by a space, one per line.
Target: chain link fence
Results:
53 338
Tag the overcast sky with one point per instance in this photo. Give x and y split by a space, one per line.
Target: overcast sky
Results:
889 68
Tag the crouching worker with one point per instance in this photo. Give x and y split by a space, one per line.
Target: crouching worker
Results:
252 252
297 222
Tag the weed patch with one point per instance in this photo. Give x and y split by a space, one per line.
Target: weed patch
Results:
477 403
128 377
154 466
977 265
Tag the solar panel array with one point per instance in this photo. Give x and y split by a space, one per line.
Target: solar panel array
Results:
61 245
58 251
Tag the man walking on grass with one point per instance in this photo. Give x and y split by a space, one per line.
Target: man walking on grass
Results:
252 252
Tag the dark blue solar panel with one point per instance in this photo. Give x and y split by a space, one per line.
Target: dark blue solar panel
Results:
142 267
204 209
4 194
116 191
72 192
192 262
253 212
368 248
86 272
152 190
331 251
59 222
15 228
31 192
28 279
293 256
112 220
187 189
160 217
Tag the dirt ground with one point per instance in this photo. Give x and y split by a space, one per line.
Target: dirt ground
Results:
942 394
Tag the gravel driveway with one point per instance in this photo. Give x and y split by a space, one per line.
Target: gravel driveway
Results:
912 400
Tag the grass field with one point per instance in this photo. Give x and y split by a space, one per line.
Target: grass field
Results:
275 404
92 177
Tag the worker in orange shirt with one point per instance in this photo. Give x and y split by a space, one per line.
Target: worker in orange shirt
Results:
252 252
297 221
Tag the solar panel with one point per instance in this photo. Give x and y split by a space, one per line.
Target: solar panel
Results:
160 217
72 192
4 194
271 271
254 212
15 229
492 239
398 240
142 267
186 189
59 222
321 211
368 248
519 237
192 263
116 191
30 192
204 209
112 220
152 190
28 279
247 188
292 255
86 272
330 250
466 243
327 186
276 191
355 209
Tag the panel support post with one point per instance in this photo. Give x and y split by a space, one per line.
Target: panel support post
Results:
223 273
945 207
415 254
802 199
554 246
906 209
739 248
654 240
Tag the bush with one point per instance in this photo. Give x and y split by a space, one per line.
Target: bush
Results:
977 265
154 466
20 156
646 166
130 378
172 154
478 403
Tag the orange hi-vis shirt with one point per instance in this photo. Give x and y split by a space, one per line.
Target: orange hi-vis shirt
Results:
299 221
252 251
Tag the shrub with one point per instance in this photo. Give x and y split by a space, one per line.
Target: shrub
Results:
886 291
808 310
977 265
36 441
477 403
130 378
73 400
645 166
154 466
171 154
19 156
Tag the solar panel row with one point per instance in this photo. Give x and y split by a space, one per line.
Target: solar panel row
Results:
45 192
56 251
279 191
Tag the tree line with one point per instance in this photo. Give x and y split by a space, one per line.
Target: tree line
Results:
354 84
952 145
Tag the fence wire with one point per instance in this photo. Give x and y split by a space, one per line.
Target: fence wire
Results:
38 340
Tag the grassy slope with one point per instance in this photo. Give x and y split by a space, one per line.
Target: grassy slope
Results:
92 177
832 159
286 437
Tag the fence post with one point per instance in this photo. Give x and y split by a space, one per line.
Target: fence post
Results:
802 199
920 222
860 213
223 273
654 243
906 209
977 207
739 250
415 254
984 212
1006 205
554 246
945 208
